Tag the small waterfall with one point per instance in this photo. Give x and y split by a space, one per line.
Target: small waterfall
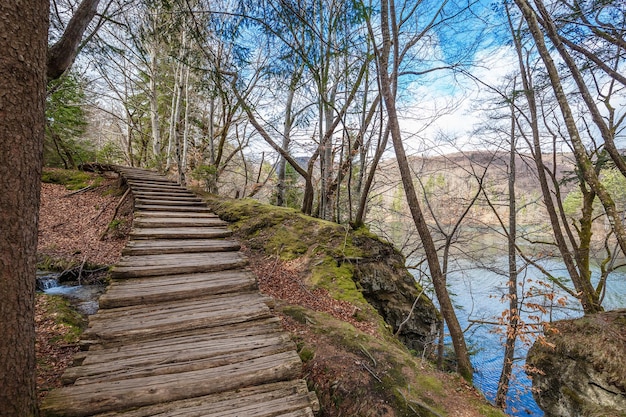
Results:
47 281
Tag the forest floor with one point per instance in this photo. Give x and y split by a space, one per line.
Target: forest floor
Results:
79 229
78 234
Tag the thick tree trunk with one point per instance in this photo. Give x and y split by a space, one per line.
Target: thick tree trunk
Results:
24 29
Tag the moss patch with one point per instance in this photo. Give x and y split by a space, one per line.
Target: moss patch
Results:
71 179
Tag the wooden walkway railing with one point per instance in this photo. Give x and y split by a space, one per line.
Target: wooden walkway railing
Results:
182 329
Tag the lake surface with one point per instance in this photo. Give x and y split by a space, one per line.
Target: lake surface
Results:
477 294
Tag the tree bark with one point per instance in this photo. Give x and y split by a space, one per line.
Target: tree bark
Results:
62 54
24 29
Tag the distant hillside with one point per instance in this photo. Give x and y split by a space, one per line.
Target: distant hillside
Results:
449 182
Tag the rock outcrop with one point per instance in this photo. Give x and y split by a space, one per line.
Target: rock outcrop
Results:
387 285
580 368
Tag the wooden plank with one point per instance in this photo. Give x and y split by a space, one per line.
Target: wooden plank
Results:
175 264
270 325
179 233
165 213
170 202
181 259
268 400
161 326
152 207
166 196
178 287
85 400
160 222
175 190
179 359
257 326
170 246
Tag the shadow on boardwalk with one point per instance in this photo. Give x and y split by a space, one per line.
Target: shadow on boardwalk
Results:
182 329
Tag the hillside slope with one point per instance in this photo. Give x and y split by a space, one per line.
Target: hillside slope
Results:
321 277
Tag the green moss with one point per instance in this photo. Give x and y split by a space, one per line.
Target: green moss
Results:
297 313
337 279
71 179
63 313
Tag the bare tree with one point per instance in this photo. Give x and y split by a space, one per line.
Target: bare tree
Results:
389 51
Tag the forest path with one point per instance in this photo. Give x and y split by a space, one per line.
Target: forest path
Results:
182 330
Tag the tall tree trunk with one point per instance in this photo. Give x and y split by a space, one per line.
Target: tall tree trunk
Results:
586 290
388 13
154 106
287 125
24 29
513 315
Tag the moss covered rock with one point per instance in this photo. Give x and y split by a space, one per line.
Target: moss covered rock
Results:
580 368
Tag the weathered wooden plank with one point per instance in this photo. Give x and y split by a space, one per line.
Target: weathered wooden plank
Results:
179 233
177 287
142 322
160 222
152 207
169 202
267 399
208 303
165 213
179 359
186 196
255 329
181 259
160 265
172 190
85 400
264 325
169 246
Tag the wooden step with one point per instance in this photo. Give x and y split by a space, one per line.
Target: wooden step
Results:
159 222
181 358
171 246
101 397
280 399
180 233
170 202
164 207
122 293
147 322
175 264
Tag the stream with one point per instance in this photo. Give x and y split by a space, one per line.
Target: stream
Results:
83 297
477 292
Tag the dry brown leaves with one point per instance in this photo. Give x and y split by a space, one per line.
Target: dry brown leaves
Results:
283 281
70 226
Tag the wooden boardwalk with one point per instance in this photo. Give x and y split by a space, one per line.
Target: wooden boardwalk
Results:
182 330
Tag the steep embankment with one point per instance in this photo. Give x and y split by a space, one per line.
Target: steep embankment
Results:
580 368
343 294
